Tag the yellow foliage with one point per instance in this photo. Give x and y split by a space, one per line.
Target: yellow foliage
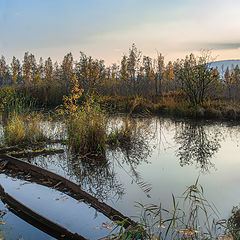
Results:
23 129
85 124
70 102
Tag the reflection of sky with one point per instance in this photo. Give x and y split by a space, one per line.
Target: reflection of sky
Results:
106 28
60 208
162 169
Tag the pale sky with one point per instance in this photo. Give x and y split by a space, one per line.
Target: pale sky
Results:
107 28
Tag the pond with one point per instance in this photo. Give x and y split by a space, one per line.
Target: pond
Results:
164 158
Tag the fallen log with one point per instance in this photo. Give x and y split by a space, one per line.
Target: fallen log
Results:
44 177
9 149
37 220
35 153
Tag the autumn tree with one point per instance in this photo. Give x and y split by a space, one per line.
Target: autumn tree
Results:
159 74
133 64
102 71
66 72
15 68
114 78
29 67
39 72
168 77
56 72
90 72
38 76
48 71
4 72
176 68
228 80
148 72
124 75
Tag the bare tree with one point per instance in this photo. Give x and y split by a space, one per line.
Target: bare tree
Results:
198 80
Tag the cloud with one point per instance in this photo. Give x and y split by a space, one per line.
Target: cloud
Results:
220 45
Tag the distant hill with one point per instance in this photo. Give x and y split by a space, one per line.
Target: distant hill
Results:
222 65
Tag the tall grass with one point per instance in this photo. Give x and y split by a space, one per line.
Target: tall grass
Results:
85 123
23 129
12 100
46 94
195 219
87 129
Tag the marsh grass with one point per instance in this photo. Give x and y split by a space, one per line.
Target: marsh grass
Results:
87 129
46 94
23 129
121 135
12 100
195 219
85 123
127 132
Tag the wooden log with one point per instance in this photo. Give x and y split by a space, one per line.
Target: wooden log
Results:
37 220
70 188
36 153
9 149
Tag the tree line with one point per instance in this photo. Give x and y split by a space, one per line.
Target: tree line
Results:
135 75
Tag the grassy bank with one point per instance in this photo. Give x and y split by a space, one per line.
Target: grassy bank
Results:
173 104
85 115
29 97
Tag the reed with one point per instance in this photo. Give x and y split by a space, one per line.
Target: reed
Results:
11 100
195 219
23 129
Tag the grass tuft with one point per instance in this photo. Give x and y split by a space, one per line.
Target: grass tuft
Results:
21 129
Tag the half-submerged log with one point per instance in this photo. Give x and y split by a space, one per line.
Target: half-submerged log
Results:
44 177
37 220
9 149
35 153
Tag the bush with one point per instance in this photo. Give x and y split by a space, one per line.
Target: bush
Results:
85 124
87 129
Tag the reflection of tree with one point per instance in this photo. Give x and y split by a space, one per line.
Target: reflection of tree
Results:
197 144
133 151
97 176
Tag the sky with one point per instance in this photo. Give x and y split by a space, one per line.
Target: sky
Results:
106 29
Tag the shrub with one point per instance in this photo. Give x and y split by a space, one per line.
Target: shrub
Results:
87 129
85 124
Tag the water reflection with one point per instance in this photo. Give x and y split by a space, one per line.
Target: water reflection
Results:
100 177
197 144
135 151
138 164
97 176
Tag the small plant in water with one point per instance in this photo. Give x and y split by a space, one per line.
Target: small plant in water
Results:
85 124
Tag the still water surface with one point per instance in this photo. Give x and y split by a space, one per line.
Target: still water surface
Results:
164 157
